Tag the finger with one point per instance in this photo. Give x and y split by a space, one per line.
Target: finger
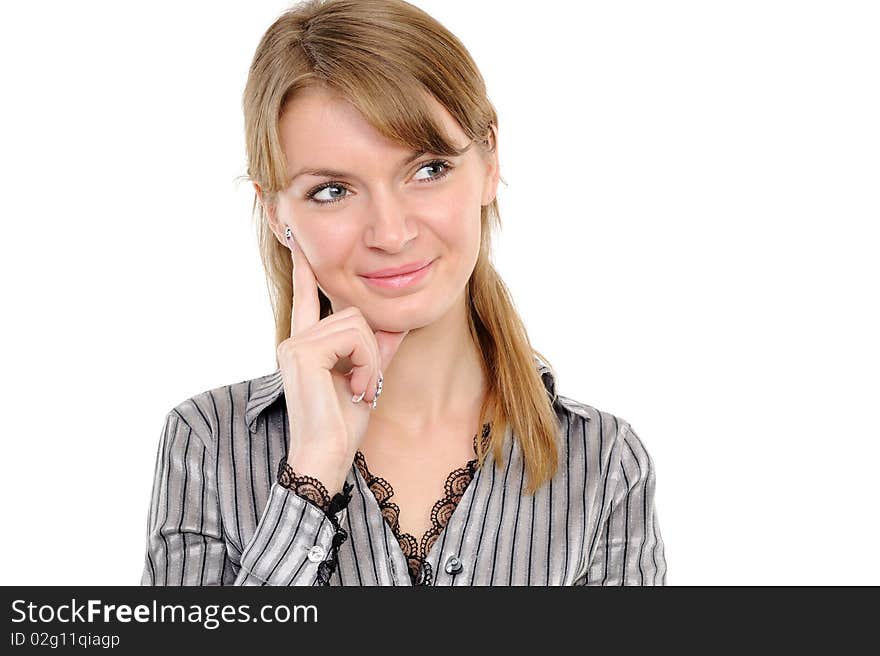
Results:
341 319
363 379
351 343
346 320
388 344
363 375
306 308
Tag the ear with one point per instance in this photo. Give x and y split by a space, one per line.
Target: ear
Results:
271 215
490 186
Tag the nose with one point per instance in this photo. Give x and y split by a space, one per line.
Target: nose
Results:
389 227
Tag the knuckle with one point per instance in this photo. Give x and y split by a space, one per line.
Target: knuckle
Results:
289 350
360 337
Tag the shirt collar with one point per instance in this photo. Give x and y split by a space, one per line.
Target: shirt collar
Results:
267 389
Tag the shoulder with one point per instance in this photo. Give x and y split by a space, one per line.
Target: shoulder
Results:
579 421
590 434
227 408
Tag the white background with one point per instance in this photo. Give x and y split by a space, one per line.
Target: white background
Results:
689 233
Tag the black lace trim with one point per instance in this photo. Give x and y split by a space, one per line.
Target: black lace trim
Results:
313 491
338 502
416 551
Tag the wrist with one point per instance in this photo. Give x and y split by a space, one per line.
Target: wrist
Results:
314 475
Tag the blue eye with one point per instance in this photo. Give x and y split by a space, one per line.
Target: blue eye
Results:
310 196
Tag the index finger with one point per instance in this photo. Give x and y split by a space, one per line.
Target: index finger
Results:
306 309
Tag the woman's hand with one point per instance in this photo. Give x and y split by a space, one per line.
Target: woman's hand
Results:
328 406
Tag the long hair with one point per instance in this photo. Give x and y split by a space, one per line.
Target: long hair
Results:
383 56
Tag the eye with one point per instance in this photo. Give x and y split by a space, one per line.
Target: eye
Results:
437 162
335 186
338 187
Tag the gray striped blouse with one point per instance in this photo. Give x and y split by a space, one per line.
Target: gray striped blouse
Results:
218 515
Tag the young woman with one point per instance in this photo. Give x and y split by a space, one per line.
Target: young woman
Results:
373 151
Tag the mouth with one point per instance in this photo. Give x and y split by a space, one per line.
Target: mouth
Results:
401 281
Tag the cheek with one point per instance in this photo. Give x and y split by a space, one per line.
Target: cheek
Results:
327 252
458 226
454 212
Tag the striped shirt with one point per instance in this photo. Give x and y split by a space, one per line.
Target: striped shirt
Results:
219 516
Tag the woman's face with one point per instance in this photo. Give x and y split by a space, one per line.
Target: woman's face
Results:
380 209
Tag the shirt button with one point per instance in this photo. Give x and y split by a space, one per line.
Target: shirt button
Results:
453 565
316 553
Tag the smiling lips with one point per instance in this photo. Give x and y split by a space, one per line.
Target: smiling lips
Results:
397 271
411 276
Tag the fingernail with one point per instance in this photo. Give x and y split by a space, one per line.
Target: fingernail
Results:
357 399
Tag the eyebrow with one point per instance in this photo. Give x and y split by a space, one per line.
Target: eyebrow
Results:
333 173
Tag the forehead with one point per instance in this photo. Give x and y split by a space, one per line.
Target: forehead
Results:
318 121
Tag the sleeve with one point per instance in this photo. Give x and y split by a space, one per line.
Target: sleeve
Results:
303 551
630 549
185 539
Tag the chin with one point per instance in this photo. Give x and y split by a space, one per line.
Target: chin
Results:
400 321
396 325
400 313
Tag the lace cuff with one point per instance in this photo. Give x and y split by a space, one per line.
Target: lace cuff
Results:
338 502
313 491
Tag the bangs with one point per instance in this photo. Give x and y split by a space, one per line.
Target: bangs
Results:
398 109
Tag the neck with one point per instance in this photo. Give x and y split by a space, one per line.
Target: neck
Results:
436 377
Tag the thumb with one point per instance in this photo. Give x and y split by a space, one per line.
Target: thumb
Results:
388 345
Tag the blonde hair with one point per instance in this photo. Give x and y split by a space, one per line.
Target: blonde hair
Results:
383 56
